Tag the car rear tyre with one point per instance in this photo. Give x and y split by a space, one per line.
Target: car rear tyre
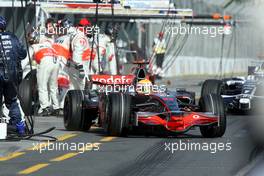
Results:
87 119
74 119
118 114
213 103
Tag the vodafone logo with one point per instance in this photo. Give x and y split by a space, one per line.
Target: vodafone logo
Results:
113 80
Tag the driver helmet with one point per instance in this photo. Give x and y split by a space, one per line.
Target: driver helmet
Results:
144 87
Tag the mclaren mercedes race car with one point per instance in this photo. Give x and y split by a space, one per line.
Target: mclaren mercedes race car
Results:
125 108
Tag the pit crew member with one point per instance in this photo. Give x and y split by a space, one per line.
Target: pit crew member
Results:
106 40
11 53
85 26
159 48
47 74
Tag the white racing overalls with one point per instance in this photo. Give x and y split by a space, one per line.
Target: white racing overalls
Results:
63 54
106 54
47 74
81 54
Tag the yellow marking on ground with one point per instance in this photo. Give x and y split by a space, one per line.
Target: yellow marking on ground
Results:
107 139
45 144
66 136
64 157
33 168
11 156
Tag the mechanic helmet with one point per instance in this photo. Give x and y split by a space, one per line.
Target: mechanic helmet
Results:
144 87
33 37
85 26
2 23
85 22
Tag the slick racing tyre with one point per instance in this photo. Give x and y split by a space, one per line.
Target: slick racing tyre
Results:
86 119
27 93
213 103
212 86
73 111
118 114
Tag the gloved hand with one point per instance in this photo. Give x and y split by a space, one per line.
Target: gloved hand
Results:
21 128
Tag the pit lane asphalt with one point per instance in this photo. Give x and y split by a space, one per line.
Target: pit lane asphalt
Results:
133 155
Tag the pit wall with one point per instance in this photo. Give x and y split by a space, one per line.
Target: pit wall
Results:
202 66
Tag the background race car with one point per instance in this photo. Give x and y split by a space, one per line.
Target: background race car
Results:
238 92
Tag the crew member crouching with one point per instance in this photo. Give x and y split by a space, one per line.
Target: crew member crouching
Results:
47 74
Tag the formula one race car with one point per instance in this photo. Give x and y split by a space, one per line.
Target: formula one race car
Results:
238 92
135 103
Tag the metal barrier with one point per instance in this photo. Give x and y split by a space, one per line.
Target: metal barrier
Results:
205 66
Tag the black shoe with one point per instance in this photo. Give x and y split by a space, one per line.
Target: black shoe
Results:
45 112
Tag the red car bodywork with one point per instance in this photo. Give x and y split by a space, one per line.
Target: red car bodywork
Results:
176 120
178 123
